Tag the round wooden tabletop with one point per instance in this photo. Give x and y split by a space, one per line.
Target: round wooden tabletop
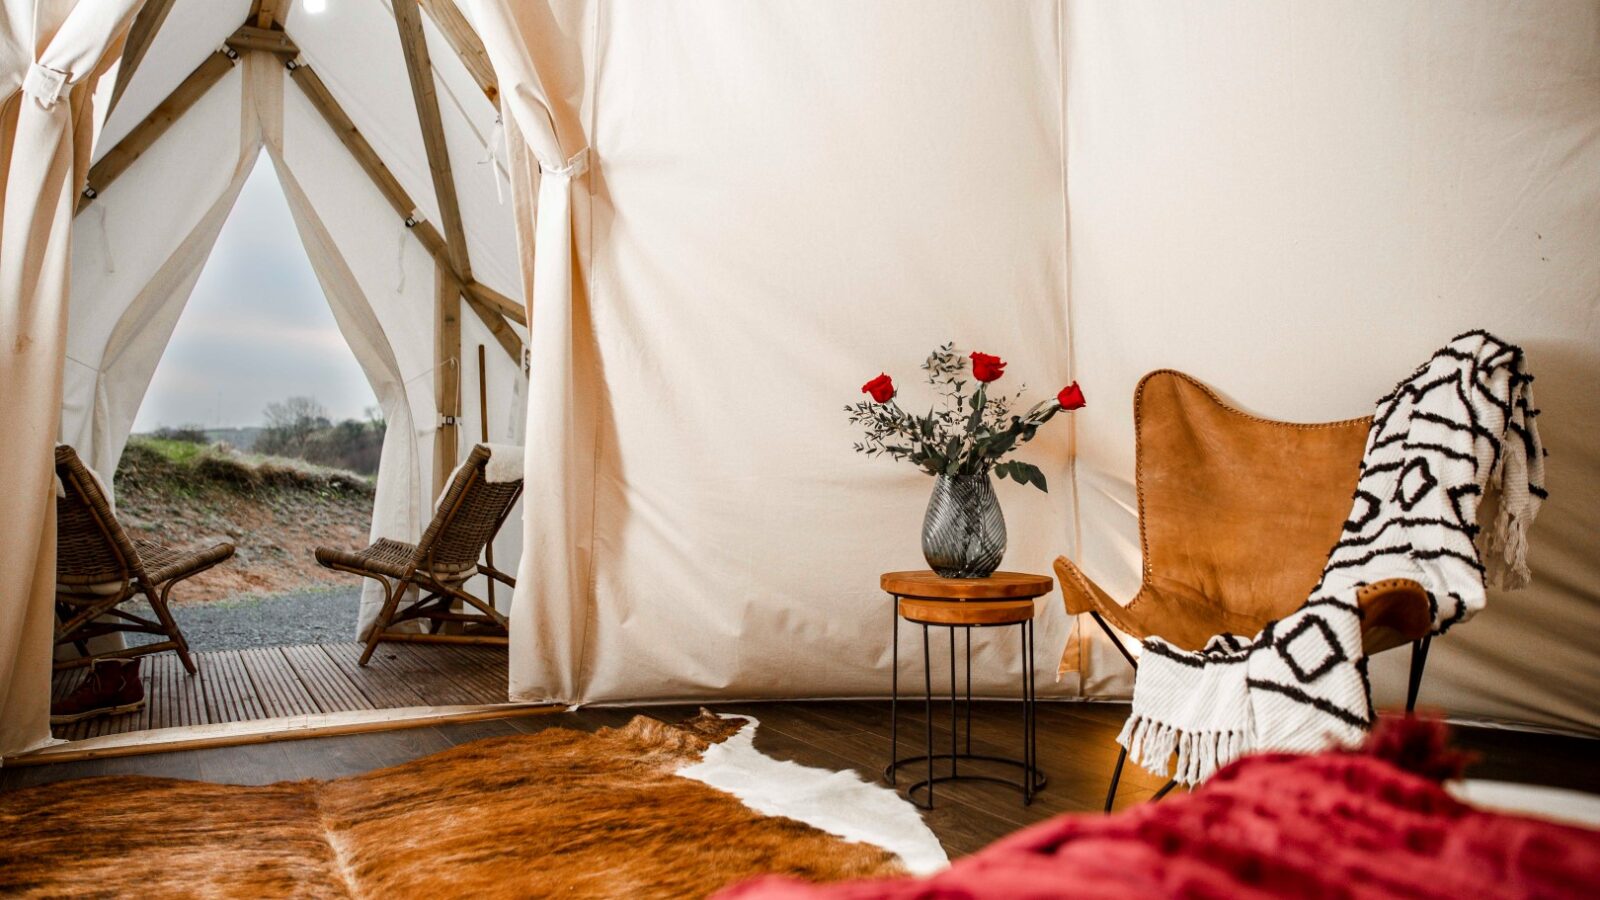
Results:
926 584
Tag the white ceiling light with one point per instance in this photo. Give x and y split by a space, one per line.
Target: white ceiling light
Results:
316 6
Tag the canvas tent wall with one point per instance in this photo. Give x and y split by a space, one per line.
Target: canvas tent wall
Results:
729 215
1294 201
142 241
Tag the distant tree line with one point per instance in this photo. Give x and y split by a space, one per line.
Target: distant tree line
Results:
299 428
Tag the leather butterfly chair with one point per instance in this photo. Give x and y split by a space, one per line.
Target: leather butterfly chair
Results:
1237 516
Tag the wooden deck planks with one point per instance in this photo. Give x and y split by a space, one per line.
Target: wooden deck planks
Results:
329 687
277 686
271 682
229 693
379 682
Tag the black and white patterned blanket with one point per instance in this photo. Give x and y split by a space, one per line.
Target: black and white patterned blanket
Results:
1461 426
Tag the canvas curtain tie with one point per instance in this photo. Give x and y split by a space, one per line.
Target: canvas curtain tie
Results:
577 165
496 145
45 84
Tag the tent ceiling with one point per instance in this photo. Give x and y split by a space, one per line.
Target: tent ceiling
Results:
355 50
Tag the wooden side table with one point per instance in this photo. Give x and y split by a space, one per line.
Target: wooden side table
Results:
1003 599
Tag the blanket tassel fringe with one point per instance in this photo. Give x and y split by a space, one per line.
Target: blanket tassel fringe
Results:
1200 754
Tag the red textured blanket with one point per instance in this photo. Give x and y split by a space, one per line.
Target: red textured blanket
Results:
1332 825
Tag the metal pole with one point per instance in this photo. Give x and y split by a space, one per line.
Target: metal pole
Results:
927 696
954 732
894 689
969 689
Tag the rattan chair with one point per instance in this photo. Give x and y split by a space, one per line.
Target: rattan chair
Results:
98 568
467 517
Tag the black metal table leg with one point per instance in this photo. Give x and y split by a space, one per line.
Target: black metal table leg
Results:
1032 781
968 630
927 692
955 734
894 690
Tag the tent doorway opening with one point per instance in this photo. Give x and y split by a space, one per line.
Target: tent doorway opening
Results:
260 429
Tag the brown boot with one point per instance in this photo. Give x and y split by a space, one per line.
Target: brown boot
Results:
113 687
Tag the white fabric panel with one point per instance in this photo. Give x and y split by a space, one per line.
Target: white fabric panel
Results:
355 47
135 263
52 52
782 208
1297 202
376 278
192 30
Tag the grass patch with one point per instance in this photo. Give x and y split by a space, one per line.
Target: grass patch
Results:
187 469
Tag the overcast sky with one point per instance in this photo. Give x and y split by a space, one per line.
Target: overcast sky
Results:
257 328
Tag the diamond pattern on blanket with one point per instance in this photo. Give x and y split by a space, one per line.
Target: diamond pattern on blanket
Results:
1309 649
1415 481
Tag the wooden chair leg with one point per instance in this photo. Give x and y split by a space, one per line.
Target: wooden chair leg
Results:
391 601
170 625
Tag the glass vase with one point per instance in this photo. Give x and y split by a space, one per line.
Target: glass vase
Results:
963 533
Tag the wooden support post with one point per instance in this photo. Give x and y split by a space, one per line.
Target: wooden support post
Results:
267 12
186 94
446 376
498 302
419 68
249 37
140 36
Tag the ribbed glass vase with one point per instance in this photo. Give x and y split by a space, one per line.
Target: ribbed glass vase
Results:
963 534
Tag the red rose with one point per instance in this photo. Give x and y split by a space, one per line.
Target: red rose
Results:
987 368
881 388
1071 397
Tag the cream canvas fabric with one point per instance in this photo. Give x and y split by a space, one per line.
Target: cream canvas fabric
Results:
1295 202
726 216
51 53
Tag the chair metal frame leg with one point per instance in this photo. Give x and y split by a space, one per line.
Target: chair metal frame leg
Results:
1122 752
1419 660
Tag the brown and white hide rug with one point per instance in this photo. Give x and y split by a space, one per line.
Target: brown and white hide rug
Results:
623 812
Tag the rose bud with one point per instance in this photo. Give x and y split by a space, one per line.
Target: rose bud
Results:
987 368
881 388
1071 397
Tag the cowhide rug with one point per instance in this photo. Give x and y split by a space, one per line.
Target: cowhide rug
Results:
558 813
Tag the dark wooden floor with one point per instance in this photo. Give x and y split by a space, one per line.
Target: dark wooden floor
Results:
1076 750
270 682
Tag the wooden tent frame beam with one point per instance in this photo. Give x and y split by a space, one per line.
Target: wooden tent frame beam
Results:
140 36
486 303
266 13
186 94
419 69
465 42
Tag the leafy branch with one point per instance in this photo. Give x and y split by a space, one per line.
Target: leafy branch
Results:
960 434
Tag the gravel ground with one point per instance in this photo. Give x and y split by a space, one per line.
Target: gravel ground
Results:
299 617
